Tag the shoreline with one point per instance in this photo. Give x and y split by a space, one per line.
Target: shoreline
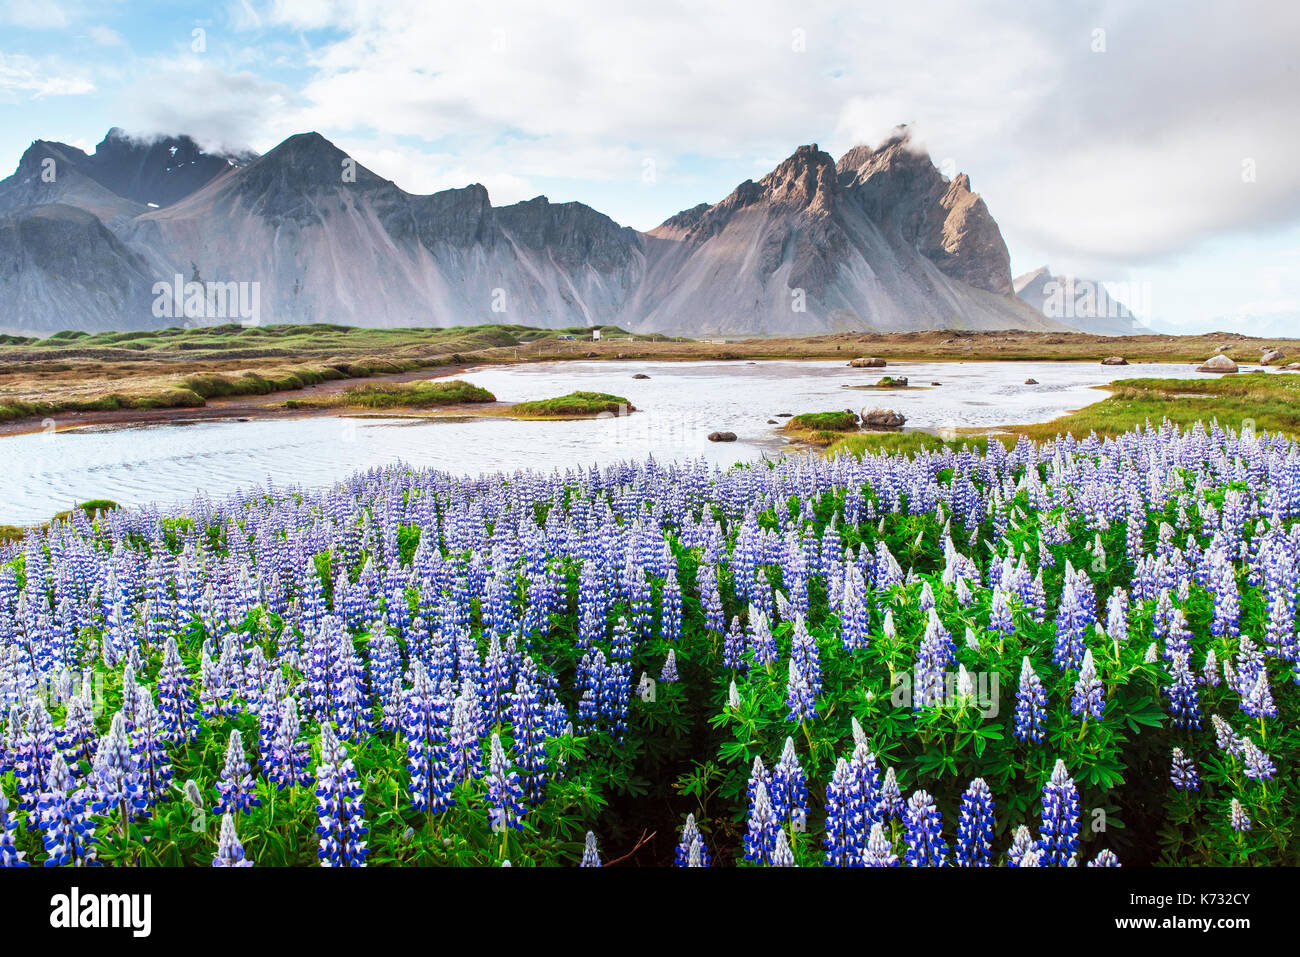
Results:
271 406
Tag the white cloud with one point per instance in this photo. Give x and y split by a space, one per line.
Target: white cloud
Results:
33 14
25 77
106 36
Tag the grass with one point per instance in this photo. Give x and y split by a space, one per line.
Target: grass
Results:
902 442
573 405
412 395
93 508
1271 401
820 428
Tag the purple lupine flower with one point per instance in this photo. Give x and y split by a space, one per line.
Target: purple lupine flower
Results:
925 844
1105 858
669 673
1184 703
504 796
799 696
1058 838
10 856
114 771
844 819
340 805
1088 701
1183 773
691 851
235 790
289 755
153 768
425 726
762 645
1259 766
230 853
789 791
590 853
878 852
782 853
1024 851
1239 818
528 729
1031 705
891 796
36 745
975 826
760 839
69 830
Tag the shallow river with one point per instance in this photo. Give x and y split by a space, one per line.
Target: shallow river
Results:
679 405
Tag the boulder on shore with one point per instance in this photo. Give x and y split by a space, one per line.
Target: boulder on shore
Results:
1271 356
868 362
640 375
889 382
882 419
722 436
1219 363
1114 361
1031 382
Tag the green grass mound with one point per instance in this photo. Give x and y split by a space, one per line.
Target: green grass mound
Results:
415 395
575 403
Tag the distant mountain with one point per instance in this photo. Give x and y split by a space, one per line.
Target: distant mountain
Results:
880 241
1081 304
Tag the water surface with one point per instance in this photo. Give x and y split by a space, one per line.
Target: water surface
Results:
680 404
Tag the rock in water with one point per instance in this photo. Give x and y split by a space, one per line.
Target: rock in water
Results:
1219 363
865 362
722 436
1271 356
1031 382
640 375
882 419
1114 361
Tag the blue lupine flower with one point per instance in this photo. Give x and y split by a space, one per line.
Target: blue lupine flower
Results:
844 819
799 696
925 844
789 791
878 852
1088 701
1031 705
340 806
1239 818
230 853
590 853
69 830
1105 858
782 853
669 673
760 839
1184 703
504 796
1183 773
691 851
527 724
10 856
975 826
36 745
115 781
176 697
235 790
1058 836
1024 850
1259 766
289 756
891 796
152 767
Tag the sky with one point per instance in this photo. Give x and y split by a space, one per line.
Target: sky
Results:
1148 145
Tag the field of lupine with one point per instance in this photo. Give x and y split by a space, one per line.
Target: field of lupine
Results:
1073 653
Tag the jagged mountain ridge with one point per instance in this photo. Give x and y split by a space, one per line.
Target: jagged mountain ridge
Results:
1081 304
880 241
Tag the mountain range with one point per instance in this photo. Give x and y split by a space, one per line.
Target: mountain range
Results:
879 240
